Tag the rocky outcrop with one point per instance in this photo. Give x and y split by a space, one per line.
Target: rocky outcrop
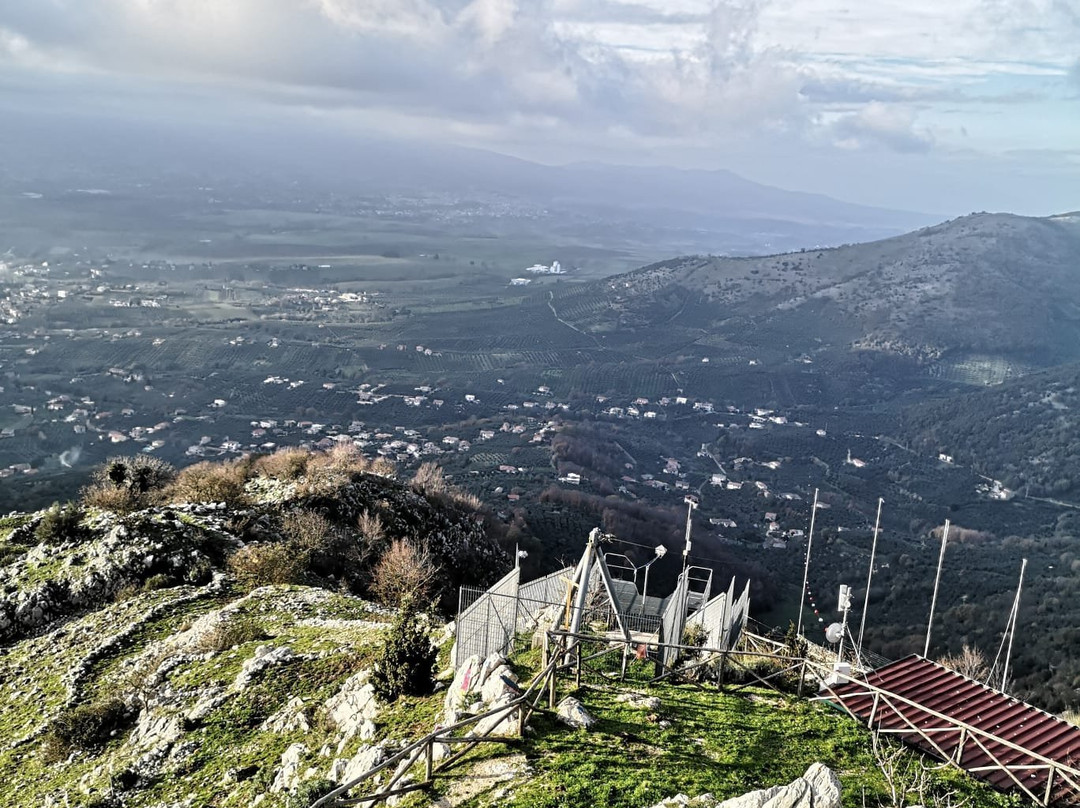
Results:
817 788
353 709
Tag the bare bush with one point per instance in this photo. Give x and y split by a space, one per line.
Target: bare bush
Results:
211 482
285 464
905 774
970 662
307 531
382 467
430 481
263 564
404 575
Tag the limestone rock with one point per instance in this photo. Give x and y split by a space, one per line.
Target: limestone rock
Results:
499 682
465 680
817 788
642 702
353 709
292 717
288 775
573 713
265 657
503 724
156 729
364 760
825 785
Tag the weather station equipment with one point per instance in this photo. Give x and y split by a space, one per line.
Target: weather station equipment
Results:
837 632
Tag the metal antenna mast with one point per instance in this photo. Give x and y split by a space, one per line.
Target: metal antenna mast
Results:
1012 628
806 566
869 577
937 580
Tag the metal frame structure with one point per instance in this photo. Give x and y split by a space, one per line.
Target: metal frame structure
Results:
1003 741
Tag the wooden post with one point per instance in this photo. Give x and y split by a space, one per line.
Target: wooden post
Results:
577 664
720 673
429 759
551 686
802 675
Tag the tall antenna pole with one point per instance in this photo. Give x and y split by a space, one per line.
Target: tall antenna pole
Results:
869 577
806 566
937 580
1012 631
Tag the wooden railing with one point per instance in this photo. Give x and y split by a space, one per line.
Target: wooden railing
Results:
541 686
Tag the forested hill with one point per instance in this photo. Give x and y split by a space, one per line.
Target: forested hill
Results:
1024 433
997 284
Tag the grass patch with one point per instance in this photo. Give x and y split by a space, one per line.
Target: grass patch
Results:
703 741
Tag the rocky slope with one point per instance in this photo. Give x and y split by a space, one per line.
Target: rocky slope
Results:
145 664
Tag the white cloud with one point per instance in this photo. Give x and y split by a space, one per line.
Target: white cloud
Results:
878 124
662 74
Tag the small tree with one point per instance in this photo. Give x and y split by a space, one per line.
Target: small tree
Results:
405 665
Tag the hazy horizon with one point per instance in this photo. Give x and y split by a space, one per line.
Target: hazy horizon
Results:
942 108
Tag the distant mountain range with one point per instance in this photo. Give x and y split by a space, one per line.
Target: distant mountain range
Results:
668 209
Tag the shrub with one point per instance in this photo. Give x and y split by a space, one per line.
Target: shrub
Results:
284 464
311 790
970 662
262 564
429 480
160 581
226 635
61 524
404 575
319 545
86 728
695 634
126 484
405 665
199 572
211 482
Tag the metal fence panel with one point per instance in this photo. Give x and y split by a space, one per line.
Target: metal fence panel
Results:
673 620
535 596
488 625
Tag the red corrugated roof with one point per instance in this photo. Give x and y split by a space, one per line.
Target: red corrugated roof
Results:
939 710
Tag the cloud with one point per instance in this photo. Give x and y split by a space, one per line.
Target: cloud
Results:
879 124
473 61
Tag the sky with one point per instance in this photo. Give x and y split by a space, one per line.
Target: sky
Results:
943 106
